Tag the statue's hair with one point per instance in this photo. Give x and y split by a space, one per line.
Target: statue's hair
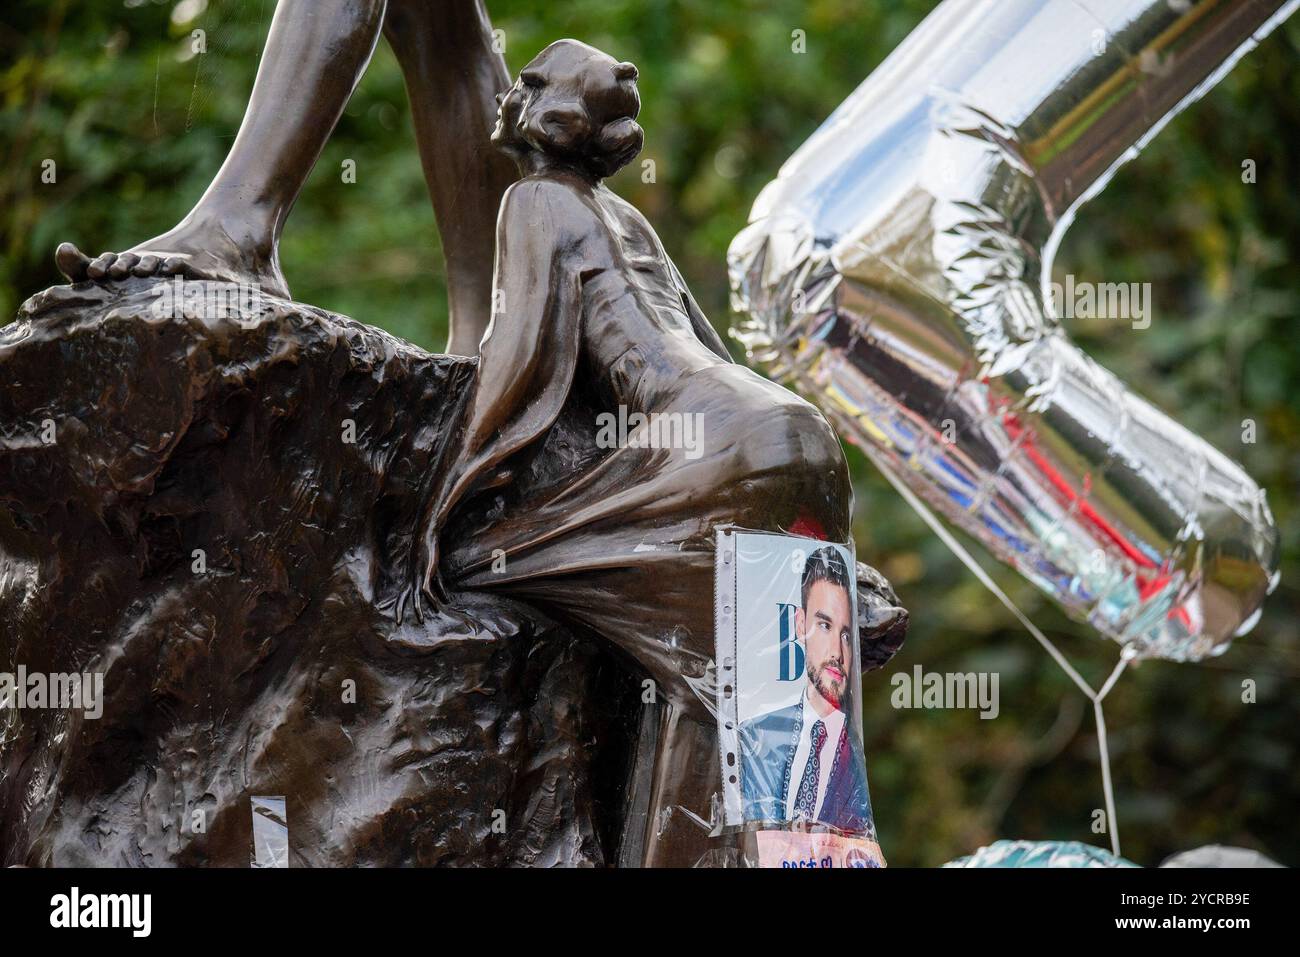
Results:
614 146
604 144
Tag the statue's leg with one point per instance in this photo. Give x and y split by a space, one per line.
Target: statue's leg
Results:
315 53
453 73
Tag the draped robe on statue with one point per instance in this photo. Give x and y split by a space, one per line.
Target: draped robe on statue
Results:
590 317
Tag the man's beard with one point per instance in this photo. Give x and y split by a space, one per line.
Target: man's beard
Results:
825 686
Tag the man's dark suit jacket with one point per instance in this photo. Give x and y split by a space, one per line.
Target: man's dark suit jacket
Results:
768 744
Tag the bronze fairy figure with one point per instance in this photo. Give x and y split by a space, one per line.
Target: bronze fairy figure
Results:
591 315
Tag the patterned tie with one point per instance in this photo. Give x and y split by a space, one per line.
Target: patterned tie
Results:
805 802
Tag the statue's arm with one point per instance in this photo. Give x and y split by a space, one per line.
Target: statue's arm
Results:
530 349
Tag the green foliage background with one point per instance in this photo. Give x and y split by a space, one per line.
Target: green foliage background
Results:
137 129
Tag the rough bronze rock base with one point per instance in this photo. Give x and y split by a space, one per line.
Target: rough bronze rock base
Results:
215 514
206 511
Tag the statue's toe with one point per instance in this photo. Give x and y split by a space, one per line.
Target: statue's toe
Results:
72 262
147 266
99 266
122 265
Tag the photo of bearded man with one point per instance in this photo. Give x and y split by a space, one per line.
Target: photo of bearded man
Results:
802 762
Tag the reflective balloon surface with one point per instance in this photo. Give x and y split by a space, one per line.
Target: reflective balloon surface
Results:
898 273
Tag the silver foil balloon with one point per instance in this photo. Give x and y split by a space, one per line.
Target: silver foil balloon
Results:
1217 855
1040 854
897 272
1075 854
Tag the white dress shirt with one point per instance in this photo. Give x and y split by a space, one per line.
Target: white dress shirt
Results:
834 725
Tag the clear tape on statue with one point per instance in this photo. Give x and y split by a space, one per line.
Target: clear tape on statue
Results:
897 272
270 832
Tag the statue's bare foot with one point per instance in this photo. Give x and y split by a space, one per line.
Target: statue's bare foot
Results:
196 249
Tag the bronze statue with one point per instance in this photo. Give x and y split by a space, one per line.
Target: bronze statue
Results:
514 511
199 530
314 57
589 307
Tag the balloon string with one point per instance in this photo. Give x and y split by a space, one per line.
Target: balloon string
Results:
1095 697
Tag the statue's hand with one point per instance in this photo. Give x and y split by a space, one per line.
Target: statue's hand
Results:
423 592
430 588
